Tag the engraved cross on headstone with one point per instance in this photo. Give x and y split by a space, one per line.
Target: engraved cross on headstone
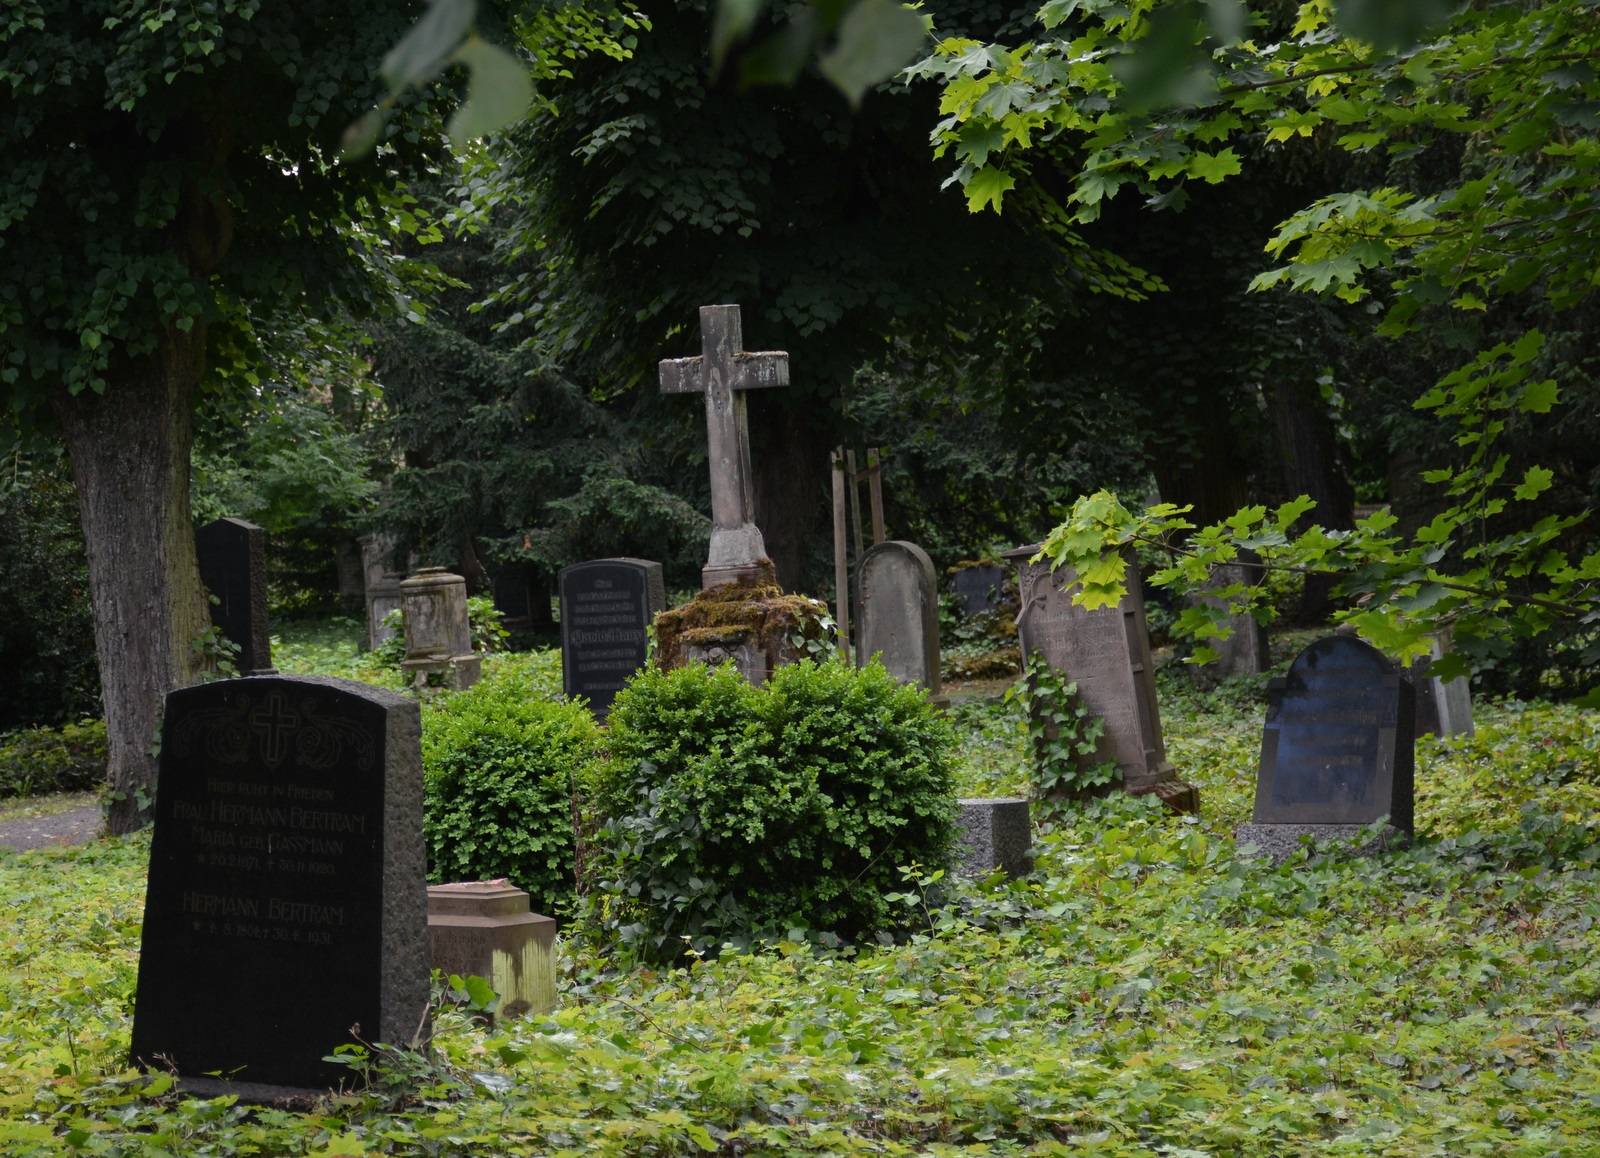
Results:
722 372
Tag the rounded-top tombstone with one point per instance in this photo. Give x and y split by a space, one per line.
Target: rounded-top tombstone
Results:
1337 746
899 613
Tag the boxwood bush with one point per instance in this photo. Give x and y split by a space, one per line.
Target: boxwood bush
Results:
739 813
500 766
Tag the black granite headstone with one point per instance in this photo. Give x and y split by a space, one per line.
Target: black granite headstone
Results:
513 595
1338 743
233 567
287 898
978 588
607 606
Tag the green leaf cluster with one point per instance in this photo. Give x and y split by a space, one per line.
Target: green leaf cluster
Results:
737 813
1064 734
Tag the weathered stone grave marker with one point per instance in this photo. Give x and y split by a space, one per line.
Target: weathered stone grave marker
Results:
978 588
287 903
438 634
1106 652
742 614
995 833
607 606
382 587
899 614
723 372
485 929
1336 749
1246 651
1443 709
233 567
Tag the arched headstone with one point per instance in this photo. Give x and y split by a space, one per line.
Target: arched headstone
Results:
899 613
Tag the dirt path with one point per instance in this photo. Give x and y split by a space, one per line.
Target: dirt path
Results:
76 826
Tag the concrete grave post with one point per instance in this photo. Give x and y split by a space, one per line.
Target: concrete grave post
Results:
899 614
607 607
1337 749
438 635
287 901
233 567
1106 652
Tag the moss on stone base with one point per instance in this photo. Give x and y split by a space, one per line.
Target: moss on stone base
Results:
750 621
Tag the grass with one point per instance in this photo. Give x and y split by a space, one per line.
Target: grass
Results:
1143 993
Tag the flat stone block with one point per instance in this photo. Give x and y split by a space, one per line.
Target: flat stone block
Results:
1278 841
996 832
484 929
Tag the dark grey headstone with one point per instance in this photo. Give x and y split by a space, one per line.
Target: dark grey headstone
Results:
287 899
978 588
899 613
1338 743
512 588
607 606
996 833
233 567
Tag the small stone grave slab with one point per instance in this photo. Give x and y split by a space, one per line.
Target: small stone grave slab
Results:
898 614
233 566
978 588
1106 652
485 929
287 901
607 606
1336 749
995 832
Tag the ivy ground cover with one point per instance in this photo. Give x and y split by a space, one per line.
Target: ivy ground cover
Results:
1144 993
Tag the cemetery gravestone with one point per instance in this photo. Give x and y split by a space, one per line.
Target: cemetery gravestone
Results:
996 833
1336 749
520 600
1106 652
978 588
438 634
382 585
1443 709
233 567
607 606
287 897
1246 650
899 614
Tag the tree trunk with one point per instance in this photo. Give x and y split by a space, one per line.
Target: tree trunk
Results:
1308 464
790 480
1211 474
130 463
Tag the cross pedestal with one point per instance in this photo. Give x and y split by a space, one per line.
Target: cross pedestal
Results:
723 372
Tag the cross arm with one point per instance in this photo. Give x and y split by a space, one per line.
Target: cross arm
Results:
753 371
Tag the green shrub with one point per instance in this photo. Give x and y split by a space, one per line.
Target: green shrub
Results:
738 813
34 761
499 768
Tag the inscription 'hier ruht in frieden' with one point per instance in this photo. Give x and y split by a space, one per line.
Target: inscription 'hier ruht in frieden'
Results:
286 901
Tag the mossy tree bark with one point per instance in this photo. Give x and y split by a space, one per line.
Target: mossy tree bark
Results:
130 463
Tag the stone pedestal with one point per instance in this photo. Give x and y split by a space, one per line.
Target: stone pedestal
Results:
996 832
438 637
484 929
753 623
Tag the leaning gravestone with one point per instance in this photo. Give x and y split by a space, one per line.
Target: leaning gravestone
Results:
1106 652
233 567
1336 750
286 909
898 614
607 606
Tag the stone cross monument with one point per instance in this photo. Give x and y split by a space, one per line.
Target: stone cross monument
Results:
723 372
